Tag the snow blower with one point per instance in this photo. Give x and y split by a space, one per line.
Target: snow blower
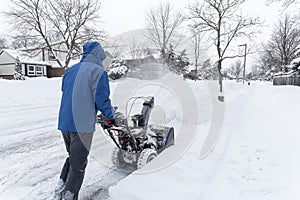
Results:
137 142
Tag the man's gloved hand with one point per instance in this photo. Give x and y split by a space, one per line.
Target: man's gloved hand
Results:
112 122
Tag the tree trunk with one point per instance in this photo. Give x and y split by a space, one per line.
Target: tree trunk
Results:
220 75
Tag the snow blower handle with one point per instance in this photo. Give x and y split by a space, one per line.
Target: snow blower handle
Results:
112 122
105 122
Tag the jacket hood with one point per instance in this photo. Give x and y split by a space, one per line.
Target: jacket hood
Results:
93 52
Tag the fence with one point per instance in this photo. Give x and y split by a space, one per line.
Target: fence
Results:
289 78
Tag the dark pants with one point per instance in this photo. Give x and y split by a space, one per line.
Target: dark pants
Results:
78 146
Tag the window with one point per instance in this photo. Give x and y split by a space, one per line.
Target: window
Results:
52 56
39 71
31 70
75 56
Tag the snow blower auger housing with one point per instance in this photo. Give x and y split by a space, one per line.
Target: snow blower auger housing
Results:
137 142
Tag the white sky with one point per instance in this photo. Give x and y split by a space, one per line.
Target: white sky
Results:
124 15
130 14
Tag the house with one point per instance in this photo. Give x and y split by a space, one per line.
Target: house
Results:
31 67
39 61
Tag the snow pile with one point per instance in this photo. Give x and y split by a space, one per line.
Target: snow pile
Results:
148 71
20 99
118 70
254 158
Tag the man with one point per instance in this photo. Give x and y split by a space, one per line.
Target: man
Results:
85 90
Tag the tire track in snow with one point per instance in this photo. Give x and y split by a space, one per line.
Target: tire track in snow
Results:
23 108
13 122
33 153
44 143
28 145
27 129
31 168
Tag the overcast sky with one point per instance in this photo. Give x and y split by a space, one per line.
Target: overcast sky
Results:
130 14
124 15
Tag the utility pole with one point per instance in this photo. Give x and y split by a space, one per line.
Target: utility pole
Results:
245 53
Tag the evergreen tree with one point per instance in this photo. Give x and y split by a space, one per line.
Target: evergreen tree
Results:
117 69
209 71
176 63
18 70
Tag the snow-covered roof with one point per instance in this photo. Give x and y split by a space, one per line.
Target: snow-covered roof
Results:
298 51
71 63
278 73
25 57
285 73
296 60
295 63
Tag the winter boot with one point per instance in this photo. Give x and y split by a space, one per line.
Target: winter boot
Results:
59 189
67 195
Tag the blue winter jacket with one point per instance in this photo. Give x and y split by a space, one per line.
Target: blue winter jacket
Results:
85 90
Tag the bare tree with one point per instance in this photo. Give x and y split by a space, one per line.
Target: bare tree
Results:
3 42
136 51
209 71
237 68
162 23
197 40
224 22
24 38
64 21
115 48
265 61
285 39
285 3
282 47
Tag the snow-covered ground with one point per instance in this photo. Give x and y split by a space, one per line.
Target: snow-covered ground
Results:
255 156
32 150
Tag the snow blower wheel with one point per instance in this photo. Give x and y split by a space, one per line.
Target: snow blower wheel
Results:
146 156
117 158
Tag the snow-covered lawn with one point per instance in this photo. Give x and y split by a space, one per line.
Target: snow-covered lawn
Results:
256 156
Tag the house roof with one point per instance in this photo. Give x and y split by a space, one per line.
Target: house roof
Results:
295 61
71 63
285 73
24 57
